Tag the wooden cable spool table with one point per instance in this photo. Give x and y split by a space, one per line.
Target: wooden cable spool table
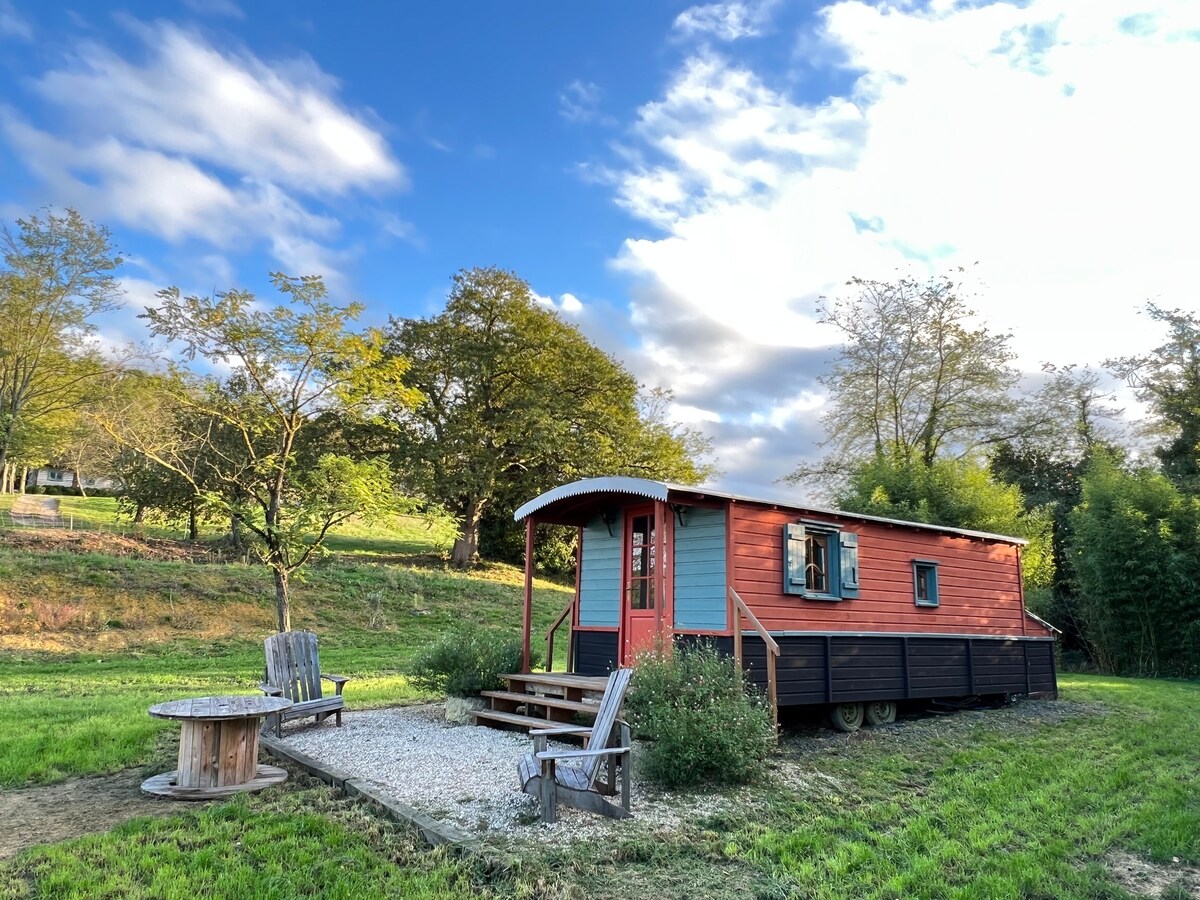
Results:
218 747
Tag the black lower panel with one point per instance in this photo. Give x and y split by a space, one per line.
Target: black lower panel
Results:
846 668
595 652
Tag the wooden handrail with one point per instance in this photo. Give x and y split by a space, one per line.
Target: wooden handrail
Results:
565 615
741 609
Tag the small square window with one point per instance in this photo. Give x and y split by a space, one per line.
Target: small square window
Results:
925 585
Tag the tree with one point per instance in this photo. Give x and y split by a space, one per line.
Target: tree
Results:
1073 409
959 493
915 378
515 401
58 275
290 365
1135 551
1168 379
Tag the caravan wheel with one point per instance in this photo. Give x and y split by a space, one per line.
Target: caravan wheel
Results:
881 712
847 716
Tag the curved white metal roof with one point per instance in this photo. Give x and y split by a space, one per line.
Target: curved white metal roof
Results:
613 484
661 490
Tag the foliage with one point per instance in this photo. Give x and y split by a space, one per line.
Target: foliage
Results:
1168 380
248 445
956 492
515 401
57 276
704 724
915 377
1137 555
466 661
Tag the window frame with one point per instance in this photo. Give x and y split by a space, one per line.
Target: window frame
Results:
841 547
930 567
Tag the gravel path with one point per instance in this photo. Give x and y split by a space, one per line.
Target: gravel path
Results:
465 774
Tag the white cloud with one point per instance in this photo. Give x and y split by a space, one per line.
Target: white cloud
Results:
226 8
568 304
725 21
579 102
1046 139
13 24
194 142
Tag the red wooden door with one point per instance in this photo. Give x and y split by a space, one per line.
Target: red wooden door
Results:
641 602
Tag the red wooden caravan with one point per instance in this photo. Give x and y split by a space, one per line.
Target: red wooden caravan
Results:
821 606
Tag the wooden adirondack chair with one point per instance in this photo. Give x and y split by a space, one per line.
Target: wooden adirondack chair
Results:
293 670
569 776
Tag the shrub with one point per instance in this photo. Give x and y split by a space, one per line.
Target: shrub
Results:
466 661
704 723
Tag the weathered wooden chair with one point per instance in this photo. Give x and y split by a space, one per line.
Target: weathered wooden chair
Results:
570 776
293 670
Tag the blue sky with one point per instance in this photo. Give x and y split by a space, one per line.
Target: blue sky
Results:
681 180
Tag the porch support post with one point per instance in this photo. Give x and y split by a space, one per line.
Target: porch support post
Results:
527 613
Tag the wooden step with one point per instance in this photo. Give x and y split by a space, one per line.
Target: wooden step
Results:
545 700
517 719
558 681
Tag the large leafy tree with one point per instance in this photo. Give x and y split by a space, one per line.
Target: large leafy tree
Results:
1075 410
290 366
57 276
960 493
917 376
1168 380
1136 557
515 400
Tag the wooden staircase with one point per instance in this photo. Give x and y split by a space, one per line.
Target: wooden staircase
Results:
538 700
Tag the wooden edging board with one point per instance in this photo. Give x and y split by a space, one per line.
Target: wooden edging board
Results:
434 833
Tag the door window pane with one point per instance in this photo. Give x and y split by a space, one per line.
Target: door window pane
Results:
641 594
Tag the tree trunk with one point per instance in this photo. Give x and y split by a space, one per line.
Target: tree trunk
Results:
24 478
283 610
466 544
5 478
139 514
235 533
193 524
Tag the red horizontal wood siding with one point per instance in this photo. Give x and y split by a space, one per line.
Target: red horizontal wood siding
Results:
979 581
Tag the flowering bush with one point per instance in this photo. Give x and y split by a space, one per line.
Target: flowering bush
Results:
703 723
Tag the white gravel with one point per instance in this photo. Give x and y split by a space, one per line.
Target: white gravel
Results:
467 774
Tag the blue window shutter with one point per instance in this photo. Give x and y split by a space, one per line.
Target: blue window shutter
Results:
848 551
793 559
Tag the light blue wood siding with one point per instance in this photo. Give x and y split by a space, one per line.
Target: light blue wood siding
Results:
700 570
600 575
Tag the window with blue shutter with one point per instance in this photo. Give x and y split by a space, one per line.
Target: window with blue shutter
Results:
925 587
820 562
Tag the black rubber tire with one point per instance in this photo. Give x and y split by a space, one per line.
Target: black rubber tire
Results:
880 712
847 717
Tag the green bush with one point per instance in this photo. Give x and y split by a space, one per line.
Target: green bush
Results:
464 662
704 724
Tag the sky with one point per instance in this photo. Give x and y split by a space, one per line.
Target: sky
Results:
681 181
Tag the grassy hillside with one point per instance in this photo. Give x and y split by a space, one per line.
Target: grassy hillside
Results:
89 640
405 535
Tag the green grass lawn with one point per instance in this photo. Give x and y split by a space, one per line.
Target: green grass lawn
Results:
404 535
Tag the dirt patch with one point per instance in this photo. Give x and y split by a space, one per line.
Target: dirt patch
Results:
134 546
1174 881
71 809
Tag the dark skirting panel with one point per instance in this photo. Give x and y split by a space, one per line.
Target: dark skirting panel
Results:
839 668
595 652
835 668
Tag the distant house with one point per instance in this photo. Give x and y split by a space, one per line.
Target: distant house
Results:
49 476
